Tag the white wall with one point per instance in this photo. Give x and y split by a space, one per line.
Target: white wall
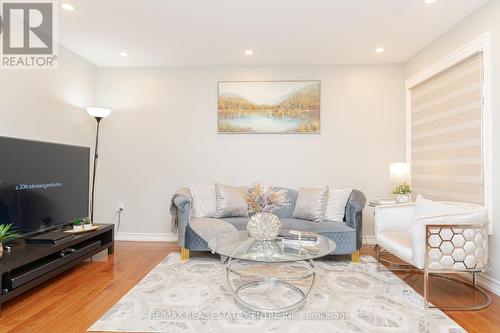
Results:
163 136
485 19
49 105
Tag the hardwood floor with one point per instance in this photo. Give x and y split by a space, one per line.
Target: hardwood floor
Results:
76 299
449 293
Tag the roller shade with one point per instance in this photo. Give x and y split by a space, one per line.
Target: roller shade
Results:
447 134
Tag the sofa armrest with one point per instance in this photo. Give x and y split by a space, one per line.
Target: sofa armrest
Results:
354 214
473 217
394 217
182 201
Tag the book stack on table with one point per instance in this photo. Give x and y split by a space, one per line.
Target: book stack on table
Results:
300 240
382 201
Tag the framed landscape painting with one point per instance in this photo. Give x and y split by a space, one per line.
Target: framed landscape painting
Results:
269 107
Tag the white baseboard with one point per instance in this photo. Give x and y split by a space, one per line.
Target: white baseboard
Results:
145 237
489 283
369 240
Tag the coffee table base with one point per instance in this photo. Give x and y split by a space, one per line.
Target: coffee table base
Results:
274 283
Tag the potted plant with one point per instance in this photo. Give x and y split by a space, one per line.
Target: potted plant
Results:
7 233
262 202
402 192
87 224
78 224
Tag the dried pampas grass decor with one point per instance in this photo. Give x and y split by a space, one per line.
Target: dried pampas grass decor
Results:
265 199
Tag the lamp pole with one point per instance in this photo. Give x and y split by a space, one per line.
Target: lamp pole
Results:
96 157
98 114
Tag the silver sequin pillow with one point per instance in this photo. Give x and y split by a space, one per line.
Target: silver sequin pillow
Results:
311 204
230 201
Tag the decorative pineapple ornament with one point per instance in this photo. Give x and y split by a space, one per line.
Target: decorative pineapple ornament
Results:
262 201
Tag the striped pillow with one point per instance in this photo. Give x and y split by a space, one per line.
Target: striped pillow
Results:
335 207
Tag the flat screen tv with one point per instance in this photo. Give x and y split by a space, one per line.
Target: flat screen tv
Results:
42 185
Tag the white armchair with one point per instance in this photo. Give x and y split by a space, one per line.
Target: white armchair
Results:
435 237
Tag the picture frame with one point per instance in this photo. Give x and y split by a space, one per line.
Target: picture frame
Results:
269 107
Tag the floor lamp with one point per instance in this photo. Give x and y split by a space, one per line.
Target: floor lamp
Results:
99 114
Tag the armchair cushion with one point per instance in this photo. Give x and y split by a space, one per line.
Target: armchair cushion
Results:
394 218
425 207
397 242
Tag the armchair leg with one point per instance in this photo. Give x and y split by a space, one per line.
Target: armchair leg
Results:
355 257
427 304
377 253
184 254
474 307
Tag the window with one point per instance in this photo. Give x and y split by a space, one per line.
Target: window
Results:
447 135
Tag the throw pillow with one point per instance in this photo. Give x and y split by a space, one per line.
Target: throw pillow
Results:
311 204
204 200
335 207
230 201
426 207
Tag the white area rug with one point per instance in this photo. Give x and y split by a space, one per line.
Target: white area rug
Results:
192 296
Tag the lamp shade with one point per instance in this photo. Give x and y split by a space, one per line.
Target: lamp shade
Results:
399 173
97 112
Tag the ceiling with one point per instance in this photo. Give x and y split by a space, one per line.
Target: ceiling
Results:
280 32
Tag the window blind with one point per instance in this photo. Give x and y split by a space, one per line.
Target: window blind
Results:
447 134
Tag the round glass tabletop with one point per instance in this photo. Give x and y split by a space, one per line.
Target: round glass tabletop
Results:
239 245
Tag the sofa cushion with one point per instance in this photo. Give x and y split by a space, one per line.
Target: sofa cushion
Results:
287 212
319 228
208 228
337 201
230 201
311 204
204 202
240 223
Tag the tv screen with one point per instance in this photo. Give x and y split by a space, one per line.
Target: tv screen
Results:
42 185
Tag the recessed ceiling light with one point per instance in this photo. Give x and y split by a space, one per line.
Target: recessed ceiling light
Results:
379 50
248 52
124 54
68 7
428 2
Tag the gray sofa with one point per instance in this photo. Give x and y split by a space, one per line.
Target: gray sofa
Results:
346 234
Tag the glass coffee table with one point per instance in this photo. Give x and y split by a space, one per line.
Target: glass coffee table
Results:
269 277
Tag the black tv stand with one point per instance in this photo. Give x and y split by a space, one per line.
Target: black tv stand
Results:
30 264
51 237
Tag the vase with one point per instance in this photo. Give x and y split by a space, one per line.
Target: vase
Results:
264 226
1 250
402 198
77 228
